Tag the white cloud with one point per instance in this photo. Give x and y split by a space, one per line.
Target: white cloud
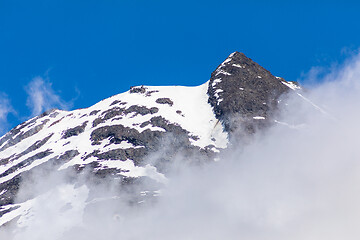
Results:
42 97
5 109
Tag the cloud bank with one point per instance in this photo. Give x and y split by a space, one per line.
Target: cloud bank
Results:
300 182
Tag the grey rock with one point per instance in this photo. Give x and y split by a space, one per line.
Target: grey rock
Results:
241 89
75 131
140 89
14 136
94 112
118 111
26 162
164 101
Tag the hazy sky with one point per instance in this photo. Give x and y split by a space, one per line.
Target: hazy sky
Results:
72 54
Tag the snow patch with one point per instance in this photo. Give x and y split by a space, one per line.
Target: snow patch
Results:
222 72
238 65
291 85
130 170
259 117
216 81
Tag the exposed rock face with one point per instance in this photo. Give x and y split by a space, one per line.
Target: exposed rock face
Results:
119 136
164 101
242 92
75 131
121 111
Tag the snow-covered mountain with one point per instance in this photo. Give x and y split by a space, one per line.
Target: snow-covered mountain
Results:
135 136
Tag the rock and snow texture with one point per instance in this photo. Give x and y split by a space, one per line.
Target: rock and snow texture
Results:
135 134
113 136
241 89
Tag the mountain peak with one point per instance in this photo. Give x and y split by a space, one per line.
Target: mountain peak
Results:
236 60
241 87
237 55
134 137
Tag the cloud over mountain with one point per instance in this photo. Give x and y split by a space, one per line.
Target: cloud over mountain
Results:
295 177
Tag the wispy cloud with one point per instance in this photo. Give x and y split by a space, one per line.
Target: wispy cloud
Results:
343 71
42 97
5 109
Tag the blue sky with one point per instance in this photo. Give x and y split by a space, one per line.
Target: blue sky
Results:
71 54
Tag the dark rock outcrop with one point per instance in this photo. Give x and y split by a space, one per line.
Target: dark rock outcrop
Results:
16 135
164 101
75 131
118 111
242 92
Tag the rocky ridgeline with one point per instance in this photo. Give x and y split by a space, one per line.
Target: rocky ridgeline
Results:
117 137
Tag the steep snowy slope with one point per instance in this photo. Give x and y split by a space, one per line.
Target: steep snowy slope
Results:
115 133
139 133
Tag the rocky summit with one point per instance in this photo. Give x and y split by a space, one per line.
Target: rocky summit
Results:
137 135
241 90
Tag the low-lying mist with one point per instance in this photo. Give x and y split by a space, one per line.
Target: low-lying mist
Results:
300 179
